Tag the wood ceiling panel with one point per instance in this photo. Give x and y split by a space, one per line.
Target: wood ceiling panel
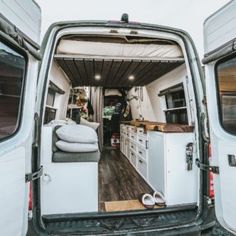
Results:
80 65
130 71
114 73
72 68
107 66
123 70
98 66
89 68
155 66
65 68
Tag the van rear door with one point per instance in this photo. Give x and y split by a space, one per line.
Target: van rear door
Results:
220 69
19 35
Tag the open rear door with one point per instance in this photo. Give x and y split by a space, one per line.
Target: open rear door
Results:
220 68
19 27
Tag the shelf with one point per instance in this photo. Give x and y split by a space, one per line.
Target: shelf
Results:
175 109
54 108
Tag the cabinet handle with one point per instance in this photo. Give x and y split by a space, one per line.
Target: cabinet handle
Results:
132 146
140 161
140 140
140 152
132 154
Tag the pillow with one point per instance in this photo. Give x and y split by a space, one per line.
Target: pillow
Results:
77 147
61 122
77 134
112 92
93 125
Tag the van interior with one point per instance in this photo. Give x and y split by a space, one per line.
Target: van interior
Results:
119 123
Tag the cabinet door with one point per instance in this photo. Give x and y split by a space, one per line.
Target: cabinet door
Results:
180 183
156 166
142 167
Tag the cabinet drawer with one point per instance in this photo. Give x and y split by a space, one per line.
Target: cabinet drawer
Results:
133 146
132 128
126 147
142 152
133 136
133 158
142 167
140 131
142 140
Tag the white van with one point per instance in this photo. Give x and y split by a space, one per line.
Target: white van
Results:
111 136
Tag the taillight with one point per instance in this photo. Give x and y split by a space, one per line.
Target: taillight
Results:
30 196
211 192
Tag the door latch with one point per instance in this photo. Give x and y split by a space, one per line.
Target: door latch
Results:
35 175
202 166
189 156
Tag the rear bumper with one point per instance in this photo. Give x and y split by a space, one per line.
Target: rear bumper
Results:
206 221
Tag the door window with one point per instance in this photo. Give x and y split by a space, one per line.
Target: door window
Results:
12 69
226 83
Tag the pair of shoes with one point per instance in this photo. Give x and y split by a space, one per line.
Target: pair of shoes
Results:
149 200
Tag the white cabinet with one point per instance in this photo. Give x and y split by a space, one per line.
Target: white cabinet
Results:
161 160
167 167
133 146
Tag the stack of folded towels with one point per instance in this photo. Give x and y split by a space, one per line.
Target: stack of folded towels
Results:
77 138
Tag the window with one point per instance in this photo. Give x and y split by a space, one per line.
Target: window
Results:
50 111
50 114
176 112
175 98
226 83
12 69
50 97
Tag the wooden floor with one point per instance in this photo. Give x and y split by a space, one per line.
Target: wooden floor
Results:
118 180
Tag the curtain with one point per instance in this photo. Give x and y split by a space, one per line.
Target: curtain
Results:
97 101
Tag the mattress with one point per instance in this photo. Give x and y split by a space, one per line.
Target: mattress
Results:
105 50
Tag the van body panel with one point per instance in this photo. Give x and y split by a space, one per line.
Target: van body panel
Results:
25 15
220 29
18 80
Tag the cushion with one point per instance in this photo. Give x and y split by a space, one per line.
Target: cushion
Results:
76 157
77 147
61 122
77 134
93 125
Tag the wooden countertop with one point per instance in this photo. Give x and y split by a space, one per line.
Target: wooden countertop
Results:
161 127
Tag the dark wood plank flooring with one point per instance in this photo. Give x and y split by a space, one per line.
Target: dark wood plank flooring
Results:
118 180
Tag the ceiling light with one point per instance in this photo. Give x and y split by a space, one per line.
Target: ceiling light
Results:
97 77
131 77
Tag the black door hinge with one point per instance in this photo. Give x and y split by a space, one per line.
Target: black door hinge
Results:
35 175
213 169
